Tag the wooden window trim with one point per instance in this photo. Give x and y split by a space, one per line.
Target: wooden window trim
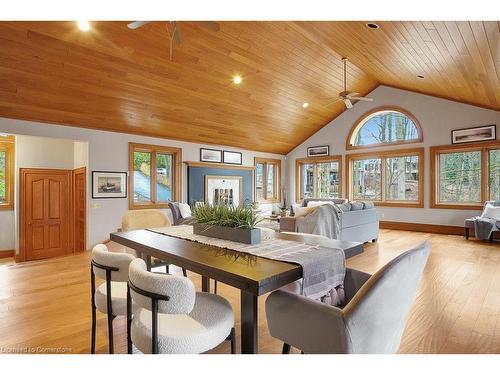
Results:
277 179
384 155
318 159
359 122
177 174
484 148
7 144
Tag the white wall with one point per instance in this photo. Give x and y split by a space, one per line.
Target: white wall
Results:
80 154
437 118
108 151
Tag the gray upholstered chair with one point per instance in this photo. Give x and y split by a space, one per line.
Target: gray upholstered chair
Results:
371 321
169 316
469 223
111 296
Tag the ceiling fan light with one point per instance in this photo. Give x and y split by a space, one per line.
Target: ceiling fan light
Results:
83 25
237 79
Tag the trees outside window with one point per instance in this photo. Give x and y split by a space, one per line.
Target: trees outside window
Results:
267 180
318 177
6 173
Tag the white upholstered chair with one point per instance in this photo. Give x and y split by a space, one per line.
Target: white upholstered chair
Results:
111 296
171 317
372 320
142 219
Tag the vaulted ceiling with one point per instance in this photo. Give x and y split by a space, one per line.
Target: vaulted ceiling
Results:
117 79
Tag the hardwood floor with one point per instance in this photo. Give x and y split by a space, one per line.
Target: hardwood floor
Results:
45 305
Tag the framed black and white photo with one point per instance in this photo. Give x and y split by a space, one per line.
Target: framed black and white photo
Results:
318 151
211 156
476 134
232 157
109 185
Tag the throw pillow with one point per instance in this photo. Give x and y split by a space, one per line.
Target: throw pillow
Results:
344 207
356 206
318 203
185 210
303 211
368 205
491 212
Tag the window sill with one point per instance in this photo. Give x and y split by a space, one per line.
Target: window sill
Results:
148 206
7 207
456 206
400 204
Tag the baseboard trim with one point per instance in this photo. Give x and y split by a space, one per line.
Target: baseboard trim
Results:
418 227
429 228
7 254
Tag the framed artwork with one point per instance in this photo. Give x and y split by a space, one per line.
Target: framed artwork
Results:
318 151
232 157
109 185
211 156
224 190
476 134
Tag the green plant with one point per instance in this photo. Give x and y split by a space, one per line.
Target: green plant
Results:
226 216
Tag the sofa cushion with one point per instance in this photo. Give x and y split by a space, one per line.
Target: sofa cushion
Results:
356 206
344 207
368 205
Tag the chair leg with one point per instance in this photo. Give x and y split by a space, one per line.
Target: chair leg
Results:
215 286
491 238
286 348
467 233
167 268
232 339
184 272
92 340
110 333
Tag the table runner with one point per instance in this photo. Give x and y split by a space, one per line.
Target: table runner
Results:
323 268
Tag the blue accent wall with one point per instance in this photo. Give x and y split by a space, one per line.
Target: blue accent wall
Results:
196 181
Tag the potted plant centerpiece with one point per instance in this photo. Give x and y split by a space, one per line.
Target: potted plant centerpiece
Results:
227 222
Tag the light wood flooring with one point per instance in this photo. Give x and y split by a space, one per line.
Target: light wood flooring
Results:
45 305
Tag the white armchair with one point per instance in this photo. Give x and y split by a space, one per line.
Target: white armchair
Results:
372 320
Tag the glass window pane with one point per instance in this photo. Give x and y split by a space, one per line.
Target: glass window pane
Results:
142 176
259 181
401 178
460 177
386 127
307 171
366 179
327 180
164 176
494 162
270 181
3 177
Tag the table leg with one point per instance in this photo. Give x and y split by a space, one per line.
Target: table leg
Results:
205 284
249 333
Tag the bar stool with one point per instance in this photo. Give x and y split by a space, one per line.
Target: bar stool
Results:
110 297
171 317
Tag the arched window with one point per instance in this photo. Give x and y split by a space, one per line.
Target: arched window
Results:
384 126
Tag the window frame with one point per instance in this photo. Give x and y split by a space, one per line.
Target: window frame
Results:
361 120
315 160
277 180
484 149
383 155
176 174
7 144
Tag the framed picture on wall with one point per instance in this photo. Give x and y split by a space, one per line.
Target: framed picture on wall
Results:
109 185
476 134
210 155
232 157
318 151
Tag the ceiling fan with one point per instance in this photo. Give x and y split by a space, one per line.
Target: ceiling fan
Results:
348 96
174 32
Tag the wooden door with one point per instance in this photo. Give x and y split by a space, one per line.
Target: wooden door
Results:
45 219
80 208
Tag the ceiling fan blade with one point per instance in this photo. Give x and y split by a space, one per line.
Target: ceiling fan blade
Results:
137 24
363 99
211 25
347 103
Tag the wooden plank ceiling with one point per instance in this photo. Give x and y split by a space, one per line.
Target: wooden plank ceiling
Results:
117 79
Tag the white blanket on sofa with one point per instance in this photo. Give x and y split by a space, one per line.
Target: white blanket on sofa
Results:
324 220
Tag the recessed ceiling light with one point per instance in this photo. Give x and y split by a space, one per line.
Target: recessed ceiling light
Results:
420 76
372 25
84 25
305 105
237 79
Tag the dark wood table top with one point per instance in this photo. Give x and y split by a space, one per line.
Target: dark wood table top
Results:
244 271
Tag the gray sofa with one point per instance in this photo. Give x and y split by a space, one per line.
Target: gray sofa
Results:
360 225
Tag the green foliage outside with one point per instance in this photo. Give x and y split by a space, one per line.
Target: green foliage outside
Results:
226 216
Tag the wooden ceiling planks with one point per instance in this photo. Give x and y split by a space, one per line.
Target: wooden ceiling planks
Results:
117 79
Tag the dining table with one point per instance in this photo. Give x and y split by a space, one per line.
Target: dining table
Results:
252 275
